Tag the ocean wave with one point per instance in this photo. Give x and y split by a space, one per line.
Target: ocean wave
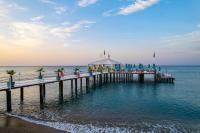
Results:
90 128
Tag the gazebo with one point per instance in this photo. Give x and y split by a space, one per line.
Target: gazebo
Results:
106 63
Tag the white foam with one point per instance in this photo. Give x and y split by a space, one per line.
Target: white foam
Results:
75 128
89 128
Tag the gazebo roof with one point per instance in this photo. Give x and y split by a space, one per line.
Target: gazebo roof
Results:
106 61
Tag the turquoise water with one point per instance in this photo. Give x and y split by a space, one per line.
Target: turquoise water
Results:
120 107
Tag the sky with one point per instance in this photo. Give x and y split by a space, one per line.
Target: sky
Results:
76 32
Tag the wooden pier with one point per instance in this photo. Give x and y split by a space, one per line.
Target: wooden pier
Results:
96 78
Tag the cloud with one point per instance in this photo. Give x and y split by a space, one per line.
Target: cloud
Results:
48 2
108 13
5 8
136 6
79 25
15 6
39 34
37 18
35 32
56 6
187 40
60 9
85 3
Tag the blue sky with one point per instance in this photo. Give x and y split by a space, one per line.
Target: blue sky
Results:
66 32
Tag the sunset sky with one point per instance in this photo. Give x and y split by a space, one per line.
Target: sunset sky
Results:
76 32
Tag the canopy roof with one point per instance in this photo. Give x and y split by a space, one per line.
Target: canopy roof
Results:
106 61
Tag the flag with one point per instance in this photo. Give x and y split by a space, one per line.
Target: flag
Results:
154 55
104 52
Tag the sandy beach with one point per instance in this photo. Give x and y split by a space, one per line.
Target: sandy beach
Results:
9 124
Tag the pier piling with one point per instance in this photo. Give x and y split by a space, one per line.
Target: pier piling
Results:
76 86
22 94
61 89
72 86
44 90
8 98
101 79
81 83
41 94
87 82
94 80
110 77
141 78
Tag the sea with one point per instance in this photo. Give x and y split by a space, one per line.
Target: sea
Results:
114 107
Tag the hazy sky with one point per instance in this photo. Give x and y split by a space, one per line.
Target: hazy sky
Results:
67 32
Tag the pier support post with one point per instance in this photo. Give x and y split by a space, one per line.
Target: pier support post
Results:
124 77
155 78
106 75
119 77
110 77
61 89
72 86
76 86
114 77
141 78
44 90
104 78
87 82
100 79
94 80
41 95
132 77
22 94
81 83
9 102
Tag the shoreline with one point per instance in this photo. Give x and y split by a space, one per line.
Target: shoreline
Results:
10 124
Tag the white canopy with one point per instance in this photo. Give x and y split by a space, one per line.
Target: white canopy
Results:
106 61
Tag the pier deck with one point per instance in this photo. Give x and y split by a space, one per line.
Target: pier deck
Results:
96 77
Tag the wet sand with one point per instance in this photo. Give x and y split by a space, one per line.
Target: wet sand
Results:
9 124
